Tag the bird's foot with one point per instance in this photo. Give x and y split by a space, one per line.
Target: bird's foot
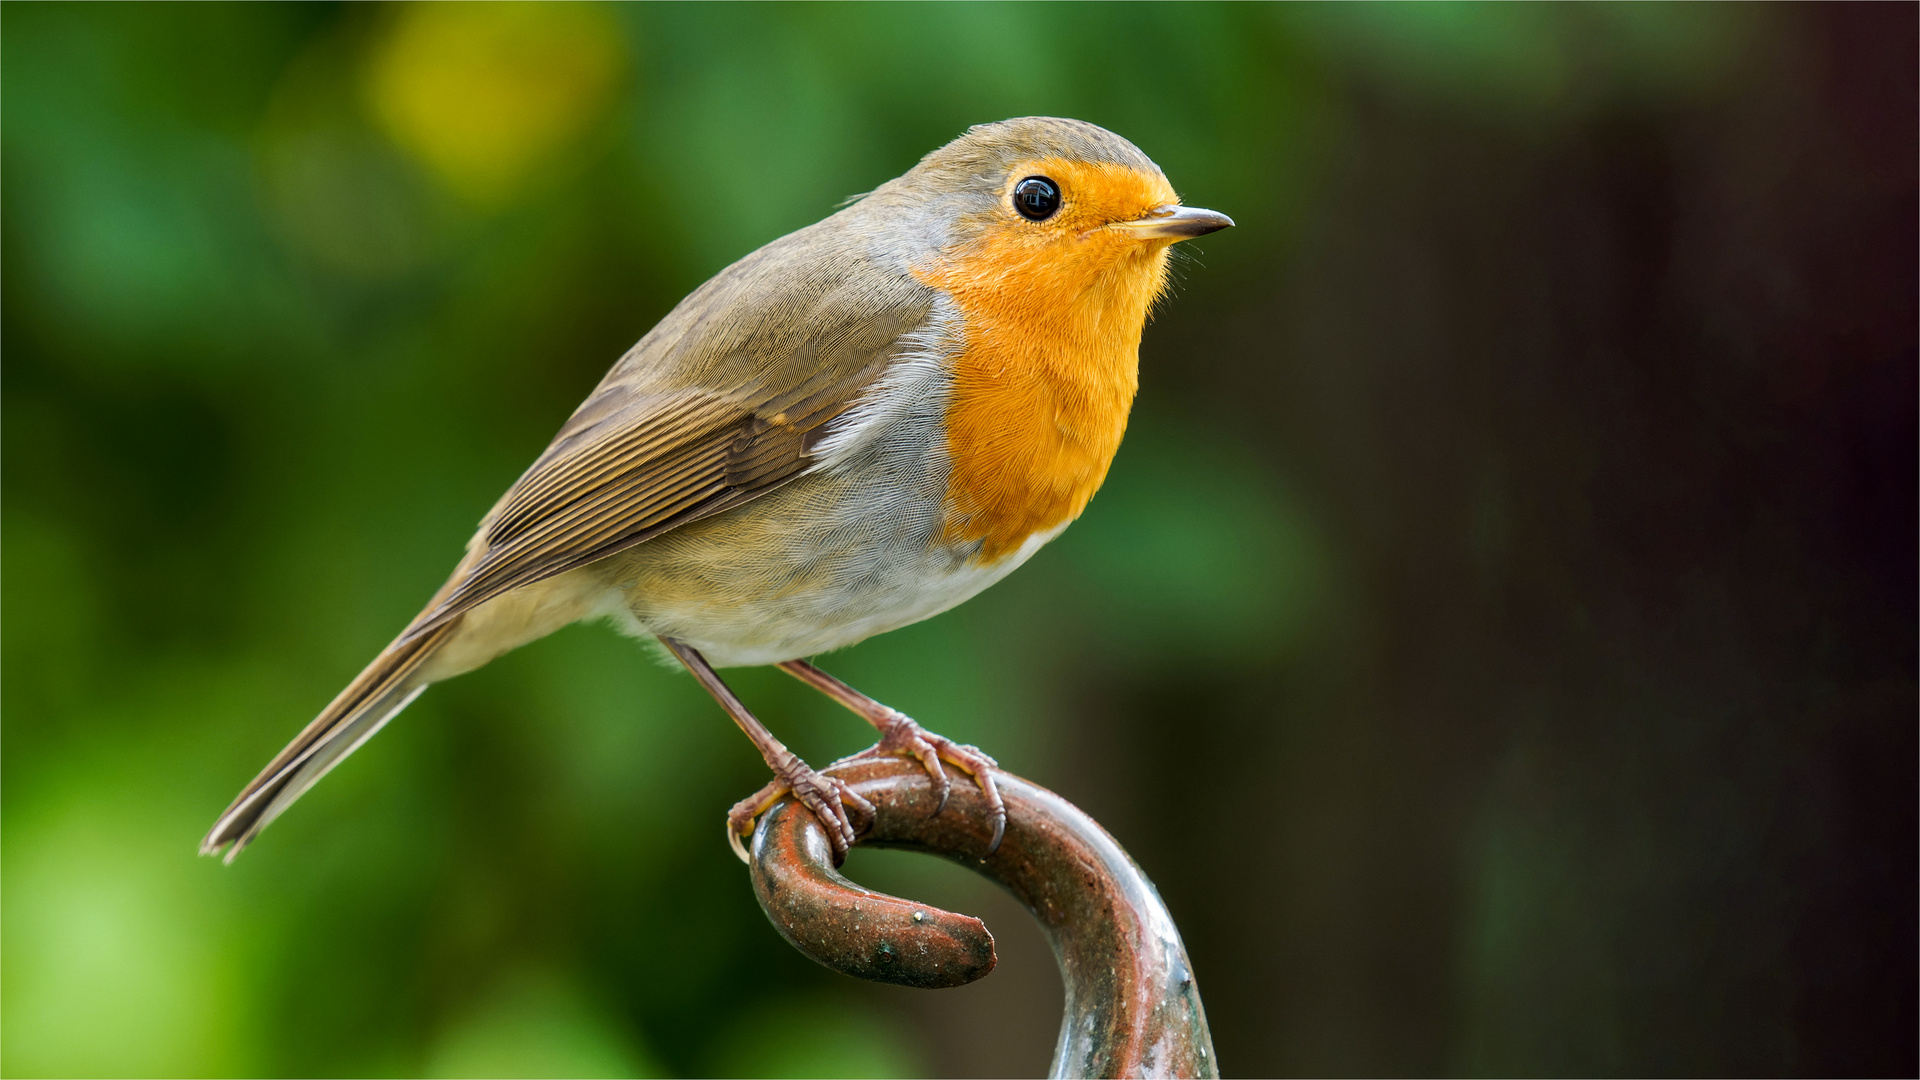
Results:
901 736
841 811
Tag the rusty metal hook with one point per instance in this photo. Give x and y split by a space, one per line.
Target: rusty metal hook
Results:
1132 1009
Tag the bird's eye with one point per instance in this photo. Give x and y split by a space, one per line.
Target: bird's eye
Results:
1036 198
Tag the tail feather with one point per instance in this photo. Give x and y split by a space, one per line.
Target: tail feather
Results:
376 696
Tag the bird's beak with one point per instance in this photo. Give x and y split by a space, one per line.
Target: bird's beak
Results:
1174 222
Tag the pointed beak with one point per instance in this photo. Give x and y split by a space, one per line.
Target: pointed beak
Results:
1175 223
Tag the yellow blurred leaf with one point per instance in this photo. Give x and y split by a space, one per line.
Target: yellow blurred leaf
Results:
484 93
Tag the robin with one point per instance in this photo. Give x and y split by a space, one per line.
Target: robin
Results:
856 427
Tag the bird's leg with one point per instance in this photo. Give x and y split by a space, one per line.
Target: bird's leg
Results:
900 736
828 798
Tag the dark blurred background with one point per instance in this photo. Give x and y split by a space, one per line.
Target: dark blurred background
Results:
1496 638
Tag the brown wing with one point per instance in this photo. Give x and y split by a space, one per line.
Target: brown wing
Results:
659 463
719 404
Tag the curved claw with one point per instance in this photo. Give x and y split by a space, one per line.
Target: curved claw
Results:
844 815
942 785
903 737
1133 1008
996 810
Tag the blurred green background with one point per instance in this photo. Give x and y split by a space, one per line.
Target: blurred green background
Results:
1496 638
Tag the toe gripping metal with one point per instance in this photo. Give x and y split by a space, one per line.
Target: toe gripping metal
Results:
1132 1009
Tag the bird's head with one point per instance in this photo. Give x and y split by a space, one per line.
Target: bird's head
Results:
1047 214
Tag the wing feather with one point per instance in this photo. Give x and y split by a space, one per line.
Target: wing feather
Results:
631 465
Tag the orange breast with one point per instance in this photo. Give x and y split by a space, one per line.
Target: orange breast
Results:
1045 380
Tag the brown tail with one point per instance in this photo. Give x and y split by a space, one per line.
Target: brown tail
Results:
374 697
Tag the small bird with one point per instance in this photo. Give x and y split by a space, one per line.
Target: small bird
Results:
856 427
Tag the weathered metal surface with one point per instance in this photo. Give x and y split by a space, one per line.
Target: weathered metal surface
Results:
865 934
1133 1007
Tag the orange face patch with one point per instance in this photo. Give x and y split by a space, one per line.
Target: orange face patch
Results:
1054 311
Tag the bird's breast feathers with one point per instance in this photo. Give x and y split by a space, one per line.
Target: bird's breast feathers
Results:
1024 385
1043 380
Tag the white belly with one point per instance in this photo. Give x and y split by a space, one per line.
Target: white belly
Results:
759 593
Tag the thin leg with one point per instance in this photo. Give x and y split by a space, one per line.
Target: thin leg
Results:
900 736
828 798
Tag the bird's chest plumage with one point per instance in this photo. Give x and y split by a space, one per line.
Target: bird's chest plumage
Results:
1042 383
1030 432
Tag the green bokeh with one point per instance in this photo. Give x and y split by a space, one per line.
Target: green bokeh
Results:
265 367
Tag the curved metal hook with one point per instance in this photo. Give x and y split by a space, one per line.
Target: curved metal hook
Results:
1132 1009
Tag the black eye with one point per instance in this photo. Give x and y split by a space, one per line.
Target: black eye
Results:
1036 198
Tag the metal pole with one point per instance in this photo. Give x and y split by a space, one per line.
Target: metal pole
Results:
1132 1008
